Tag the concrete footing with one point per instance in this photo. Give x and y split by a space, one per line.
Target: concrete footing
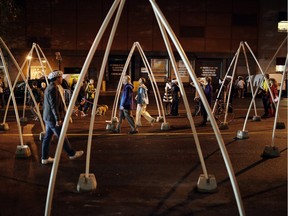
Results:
112 124
165 126
23 121
4 127
23 151
223 126
207 185
86 184
159 119
242 134
256 118
270 152
280 125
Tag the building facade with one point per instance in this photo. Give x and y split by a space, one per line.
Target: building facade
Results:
209 31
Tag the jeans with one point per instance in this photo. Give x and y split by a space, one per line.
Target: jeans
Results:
128 115
50 130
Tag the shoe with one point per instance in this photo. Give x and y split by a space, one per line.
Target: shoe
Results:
152 122
76 155
83 114
116 131
46 161
133 132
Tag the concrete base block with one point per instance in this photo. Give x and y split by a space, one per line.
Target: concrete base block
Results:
280 125
112 124
23 121
41 135
114 120
271 152
23 151
256 118
4 127
242 134
207 185
223 126
159 119
165 126
86 184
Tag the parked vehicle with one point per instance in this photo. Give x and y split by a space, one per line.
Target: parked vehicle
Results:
19 90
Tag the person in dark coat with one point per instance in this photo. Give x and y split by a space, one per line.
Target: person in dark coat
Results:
53 115
126 105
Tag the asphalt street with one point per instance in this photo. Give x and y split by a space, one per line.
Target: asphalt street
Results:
154 172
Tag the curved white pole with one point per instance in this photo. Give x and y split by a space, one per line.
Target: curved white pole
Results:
153 82
278 104
26 83
249 75
233 74
225 77
71 105
186 104
116 100
263 73
102 70
13 98
206 105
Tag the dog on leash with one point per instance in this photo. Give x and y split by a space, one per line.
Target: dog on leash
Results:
101 110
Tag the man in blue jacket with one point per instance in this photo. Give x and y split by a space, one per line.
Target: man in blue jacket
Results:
53 115
126 104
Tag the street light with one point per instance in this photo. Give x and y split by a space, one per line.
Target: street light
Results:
59 58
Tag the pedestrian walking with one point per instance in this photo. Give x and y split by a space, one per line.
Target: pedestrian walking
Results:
142 102
126 104
53 115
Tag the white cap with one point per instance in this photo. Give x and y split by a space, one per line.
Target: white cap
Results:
55 74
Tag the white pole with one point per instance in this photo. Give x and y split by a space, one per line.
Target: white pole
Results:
187 107
233 73
225 77
115 104
206 105
278 104
249 75
71 105
13 98
153 82
102 70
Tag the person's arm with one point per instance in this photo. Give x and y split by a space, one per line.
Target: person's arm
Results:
52 100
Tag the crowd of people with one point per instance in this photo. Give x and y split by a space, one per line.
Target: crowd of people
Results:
51 97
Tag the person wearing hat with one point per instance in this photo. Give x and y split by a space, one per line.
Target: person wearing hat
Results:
53 115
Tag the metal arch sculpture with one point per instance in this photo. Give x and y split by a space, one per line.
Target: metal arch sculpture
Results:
22 151
114 119
87 62
37 48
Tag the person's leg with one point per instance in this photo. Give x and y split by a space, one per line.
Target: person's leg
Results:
46 141
130 119
121 117
66 145
138 115
146 115
172 110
